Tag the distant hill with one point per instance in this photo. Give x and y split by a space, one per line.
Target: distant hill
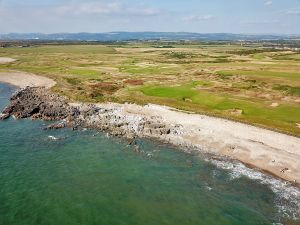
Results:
126 36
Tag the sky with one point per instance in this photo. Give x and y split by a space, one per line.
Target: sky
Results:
201 16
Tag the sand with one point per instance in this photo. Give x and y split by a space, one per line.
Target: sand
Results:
273 152
22 79
6 60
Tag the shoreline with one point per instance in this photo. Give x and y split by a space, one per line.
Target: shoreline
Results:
269 151
266 150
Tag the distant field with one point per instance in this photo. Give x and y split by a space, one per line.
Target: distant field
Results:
251 84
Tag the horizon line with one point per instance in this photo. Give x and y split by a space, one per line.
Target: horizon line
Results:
187 32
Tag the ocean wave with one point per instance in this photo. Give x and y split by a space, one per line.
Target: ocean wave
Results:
287 196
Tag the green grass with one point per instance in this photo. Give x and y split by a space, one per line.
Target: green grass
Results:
259 56
284 117
154 69
85 73
179 92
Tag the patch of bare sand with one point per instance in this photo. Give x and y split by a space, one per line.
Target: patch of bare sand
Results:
263 62
274 104
23 80
6 60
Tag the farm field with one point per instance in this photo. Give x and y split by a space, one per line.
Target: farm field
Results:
248 83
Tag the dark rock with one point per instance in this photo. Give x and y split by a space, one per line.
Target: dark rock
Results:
56 126
37 103
132 142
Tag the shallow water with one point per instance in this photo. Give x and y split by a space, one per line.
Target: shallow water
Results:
88 178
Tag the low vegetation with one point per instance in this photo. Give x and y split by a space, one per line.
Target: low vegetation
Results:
248 83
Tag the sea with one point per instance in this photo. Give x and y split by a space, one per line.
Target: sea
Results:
86 177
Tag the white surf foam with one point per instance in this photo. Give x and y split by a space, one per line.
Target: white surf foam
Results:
287 195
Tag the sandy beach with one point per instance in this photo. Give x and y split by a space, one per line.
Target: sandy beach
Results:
273 152
276 153
6 60
21 79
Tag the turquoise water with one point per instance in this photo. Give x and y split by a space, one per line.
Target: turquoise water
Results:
89 178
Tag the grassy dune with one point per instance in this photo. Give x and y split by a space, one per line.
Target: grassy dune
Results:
263 74
250 84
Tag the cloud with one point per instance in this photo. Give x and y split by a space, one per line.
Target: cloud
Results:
269 2
199 18
293 12
113 8
261 22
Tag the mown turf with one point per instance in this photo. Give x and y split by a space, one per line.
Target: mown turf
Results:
253 112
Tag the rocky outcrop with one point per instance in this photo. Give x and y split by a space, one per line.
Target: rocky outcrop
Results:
40 103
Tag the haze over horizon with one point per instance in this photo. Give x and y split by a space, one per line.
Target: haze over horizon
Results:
97 16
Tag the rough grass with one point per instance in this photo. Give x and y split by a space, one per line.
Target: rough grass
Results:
262 74
207 78
150 69
288 89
